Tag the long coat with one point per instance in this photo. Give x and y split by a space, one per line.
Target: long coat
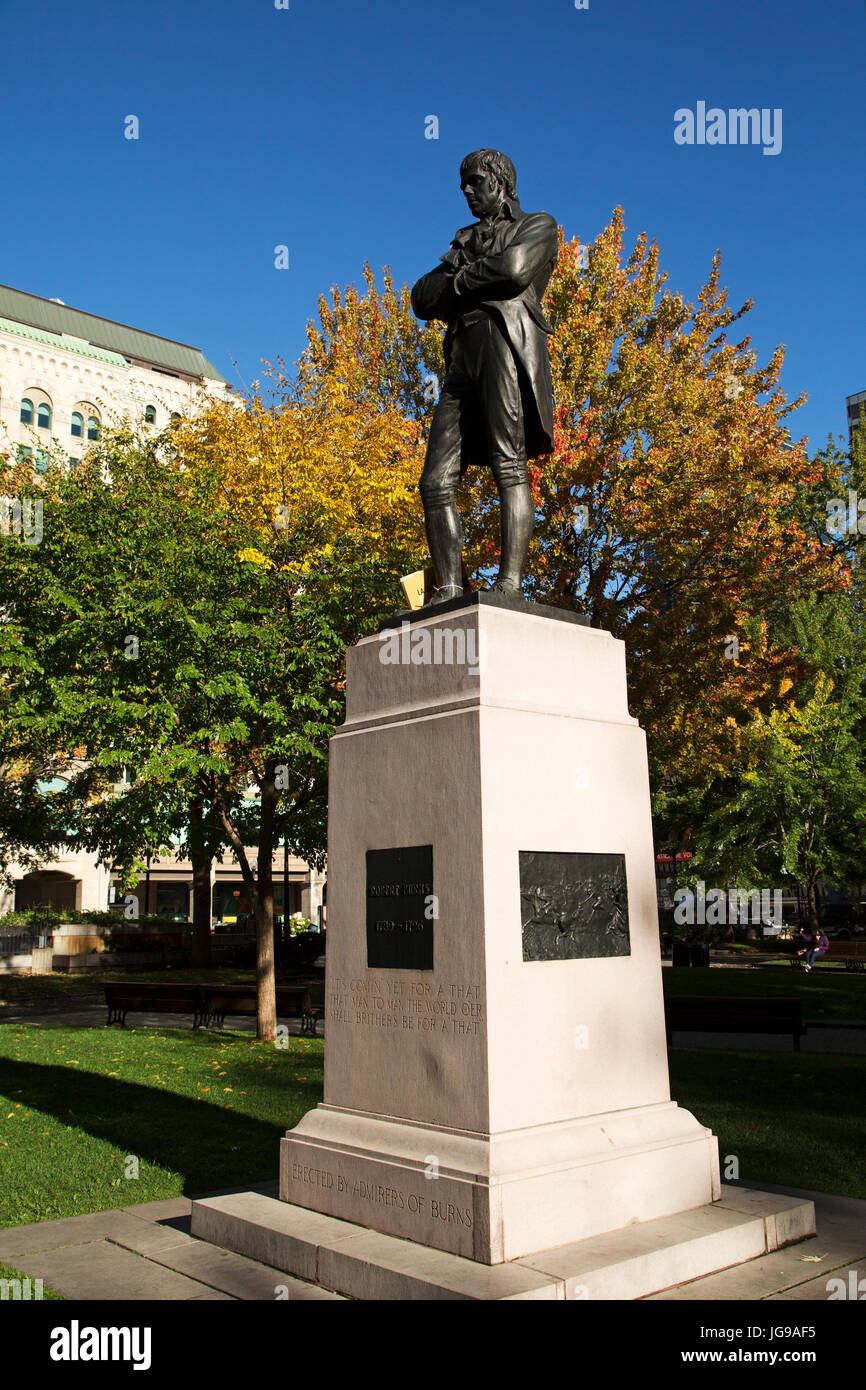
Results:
508 282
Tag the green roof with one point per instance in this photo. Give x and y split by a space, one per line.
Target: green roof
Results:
129 343
38 335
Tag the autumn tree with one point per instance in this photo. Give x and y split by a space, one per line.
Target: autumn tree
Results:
794 810
375 347
790 808
666 512
327 484
188 610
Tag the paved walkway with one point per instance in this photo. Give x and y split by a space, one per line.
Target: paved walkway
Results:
146 1252
821 1037
88 1011
143 1252
799 1273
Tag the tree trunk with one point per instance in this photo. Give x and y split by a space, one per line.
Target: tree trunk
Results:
266 1004
201 886
262 896
201 910
812 900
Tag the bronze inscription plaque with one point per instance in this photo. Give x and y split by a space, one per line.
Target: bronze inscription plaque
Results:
400 908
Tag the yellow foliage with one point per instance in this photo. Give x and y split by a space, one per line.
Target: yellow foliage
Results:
309 469
312 467
253 556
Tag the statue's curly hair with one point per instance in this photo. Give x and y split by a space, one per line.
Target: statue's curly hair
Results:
494 162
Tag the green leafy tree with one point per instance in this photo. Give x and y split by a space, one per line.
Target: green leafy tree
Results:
796 810
186 616
163 640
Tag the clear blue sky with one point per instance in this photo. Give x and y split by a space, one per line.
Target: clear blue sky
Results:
305 127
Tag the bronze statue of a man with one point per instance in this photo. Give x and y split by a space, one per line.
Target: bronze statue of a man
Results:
496 402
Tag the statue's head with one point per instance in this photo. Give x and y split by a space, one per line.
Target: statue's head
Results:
486 177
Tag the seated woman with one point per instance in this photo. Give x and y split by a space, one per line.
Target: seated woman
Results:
815 944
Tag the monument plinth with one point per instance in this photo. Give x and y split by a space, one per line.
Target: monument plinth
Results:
496 1074
497 1122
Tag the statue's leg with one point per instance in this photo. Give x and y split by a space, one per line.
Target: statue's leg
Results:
438 488
502 411
517 518
445 539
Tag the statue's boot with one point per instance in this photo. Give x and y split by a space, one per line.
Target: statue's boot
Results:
445 539
517 517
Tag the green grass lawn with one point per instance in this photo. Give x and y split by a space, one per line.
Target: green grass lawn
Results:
83 1109
789 1119
79 1107
826 992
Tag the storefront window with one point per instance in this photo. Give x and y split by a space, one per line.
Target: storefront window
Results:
171 900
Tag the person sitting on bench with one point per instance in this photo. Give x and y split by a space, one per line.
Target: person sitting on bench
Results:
816 944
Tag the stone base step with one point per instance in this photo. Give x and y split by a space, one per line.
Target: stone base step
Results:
627 1264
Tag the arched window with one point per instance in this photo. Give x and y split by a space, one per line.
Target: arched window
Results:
77 426
92 427
43 416
150 414
26 415
175 419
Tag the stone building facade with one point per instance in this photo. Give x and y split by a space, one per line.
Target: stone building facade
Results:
64 375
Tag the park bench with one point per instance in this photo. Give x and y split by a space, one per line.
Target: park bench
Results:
293 1001
695 1014
121 999
208 1004
851 954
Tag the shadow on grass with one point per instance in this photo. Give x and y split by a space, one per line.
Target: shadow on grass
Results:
210 1146
824 993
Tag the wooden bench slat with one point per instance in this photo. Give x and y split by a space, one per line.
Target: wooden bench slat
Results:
696 1014
207 1003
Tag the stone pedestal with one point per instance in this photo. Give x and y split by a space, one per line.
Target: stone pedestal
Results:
496 1077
